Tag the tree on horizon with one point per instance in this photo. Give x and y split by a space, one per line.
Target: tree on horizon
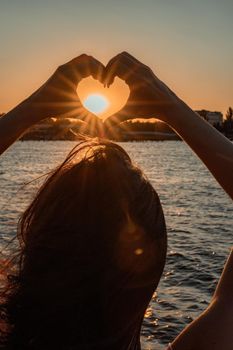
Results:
229 114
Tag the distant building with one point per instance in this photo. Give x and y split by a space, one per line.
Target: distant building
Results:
214 118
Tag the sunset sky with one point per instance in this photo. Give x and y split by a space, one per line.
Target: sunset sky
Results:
188 43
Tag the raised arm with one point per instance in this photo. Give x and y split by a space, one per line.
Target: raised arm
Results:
57 97
149 97
214 149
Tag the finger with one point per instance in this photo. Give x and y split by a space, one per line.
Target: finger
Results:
81 67
89 65
121 56
115 65
121 68
77 58
132 58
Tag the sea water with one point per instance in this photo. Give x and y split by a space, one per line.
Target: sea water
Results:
198 216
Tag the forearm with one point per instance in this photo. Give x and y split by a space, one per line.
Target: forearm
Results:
212 330
224 290
15 123
214 149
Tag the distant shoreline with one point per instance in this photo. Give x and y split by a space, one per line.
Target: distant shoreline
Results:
125 137
72 129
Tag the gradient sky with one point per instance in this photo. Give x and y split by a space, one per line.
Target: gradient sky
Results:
188 43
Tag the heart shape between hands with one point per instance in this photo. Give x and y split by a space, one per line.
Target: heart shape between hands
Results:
144 95
116 95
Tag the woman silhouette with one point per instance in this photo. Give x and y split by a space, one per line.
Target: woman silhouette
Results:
93 240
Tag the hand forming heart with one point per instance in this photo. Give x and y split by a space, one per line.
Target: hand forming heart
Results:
148 96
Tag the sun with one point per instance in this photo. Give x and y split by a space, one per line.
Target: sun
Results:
100 100
96 103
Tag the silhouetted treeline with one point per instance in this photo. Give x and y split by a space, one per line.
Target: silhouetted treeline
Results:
157 126
59 129
226 127
71 128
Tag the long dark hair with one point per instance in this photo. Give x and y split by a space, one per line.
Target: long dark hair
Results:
92 251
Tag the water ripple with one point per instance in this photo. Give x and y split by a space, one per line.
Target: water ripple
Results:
198 215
